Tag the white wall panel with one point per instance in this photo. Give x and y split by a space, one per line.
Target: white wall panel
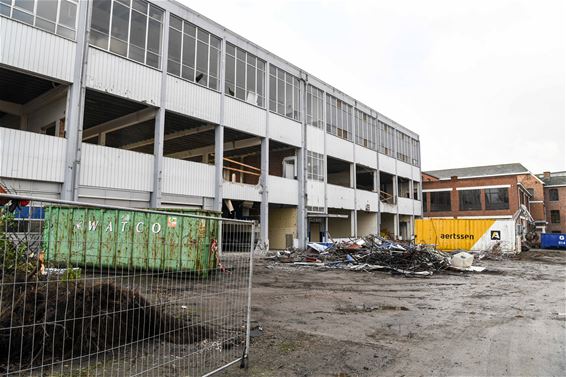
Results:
366 199
31 49
27 155
387 164
366 157
284 130
340 197
244 117
405 206
417 208
193 100
315 193
416 174
121 77
116 168
404 170
339 148
315 139
241 191
283 190
187 178
389 208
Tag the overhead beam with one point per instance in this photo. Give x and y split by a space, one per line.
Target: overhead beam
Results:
123 122
45 99
228 146
170 136
11 108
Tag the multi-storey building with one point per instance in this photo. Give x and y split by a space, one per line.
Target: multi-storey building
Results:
150 104
555 200
508 191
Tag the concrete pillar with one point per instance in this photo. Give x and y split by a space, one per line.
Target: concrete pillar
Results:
75 106
219 138
353 170
264 208
353 222
159 131
301 171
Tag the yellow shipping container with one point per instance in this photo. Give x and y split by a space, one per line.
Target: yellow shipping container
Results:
466 234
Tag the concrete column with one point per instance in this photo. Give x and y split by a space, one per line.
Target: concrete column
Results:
264 208
75 106
159 131
219 138
354 175
325 159
301 171
353 221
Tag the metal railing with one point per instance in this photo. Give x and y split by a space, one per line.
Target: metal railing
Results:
95 290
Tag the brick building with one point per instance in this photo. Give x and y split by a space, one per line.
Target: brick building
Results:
508 191
555 200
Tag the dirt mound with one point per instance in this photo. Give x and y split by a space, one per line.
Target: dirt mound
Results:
44 321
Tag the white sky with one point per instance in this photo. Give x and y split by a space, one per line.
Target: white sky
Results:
481 82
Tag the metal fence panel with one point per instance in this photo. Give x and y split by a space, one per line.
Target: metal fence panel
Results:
106 291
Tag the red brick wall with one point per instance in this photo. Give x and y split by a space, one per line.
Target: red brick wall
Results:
471 182
537 209
556 205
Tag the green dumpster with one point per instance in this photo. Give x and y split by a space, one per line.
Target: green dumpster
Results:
128 239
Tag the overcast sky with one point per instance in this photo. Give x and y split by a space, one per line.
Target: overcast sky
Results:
481 82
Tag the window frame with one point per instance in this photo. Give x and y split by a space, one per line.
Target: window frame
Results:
470 207
33 14
258 72
551 197
278 77
447 207
555 216
491 206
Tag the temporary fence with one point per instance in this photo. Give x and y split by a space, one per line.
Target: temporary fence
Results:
91 290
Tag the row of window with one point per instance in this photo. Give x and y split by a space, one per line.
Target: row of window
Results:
469 200
338 118
315 166
133 29
283 93
366 130
128 28
55 16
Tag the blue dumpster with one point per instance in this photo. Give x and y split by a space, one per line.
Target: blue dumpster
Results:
553 241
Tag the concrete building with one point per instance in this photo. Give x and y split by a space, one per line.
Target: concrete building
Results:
508 191
555 200
150 104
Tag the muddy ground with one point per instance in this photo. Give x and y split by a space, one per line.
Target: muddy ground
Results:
342 323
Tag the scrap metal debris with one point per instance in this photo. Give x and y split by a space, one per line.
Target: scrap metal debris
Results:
374 252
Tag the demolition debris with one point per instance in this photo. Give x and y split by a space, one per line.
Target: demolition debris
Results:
377 253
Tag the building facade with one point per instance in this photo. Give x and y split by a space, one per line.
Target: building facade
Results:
506 191
555 200
150 104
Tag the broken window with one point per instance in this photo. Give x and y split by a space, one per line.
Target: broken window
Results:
425 202
338 118
470 200
555 217
496 198
315 107
315 166
403 147
553 194
416 186
440 201
55 16
245 76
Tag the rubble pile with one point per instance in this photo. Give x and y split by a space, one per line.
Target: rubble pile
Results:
373 252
